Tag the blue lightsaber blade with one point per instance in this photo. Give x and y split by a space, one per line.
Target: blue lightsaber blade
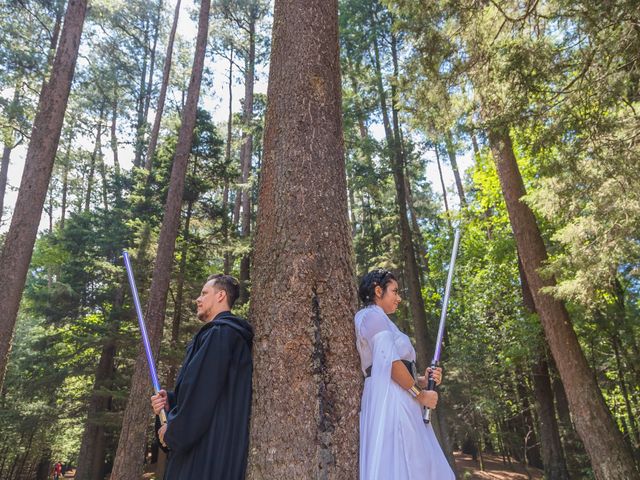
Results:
143 331
431 385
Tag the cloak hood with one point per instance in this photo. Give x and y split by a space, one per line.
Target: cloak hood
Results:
240 325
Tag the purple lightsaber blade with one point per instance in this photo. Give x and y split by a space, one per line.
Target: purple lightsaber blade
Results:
443 317
143 331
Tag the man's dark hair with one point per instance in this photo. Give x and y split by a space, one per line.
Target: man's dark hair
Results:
378 277
227 283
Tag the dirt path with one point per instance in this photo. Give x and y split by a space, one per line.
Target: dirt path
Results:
494 469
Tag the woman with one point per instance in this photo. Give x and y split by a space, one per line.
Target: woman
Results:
395 444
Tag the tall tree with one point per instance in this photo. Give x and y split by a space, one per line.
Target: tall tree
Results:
45 135
129 455
303 250
551 447
246 15
166 70
610 456
9 142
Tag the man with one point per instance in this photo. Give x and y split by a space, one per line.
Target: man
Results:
207 430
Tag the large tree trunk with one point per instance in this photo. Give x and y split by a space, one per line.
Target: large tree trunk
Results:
166 70
45 135
306 377
129 455
246 152
610 456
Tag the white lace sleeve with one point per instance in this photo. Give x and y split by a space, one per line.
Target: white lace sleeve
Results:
374 323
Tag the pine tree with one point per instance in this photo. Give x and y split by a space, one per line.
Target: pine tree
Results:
303 296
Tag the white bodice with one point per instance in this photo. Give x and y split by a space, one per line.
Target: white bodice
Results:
371 321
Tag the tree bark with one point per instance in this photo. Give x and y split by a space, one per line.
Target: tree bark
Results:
166 71
92 164
93 447
55 34
140 100
42 470
303 299
114 132
45 135
419 244
553 460
65 180
152 64
474 143
105 183
615 344
610 456
130 452
532 454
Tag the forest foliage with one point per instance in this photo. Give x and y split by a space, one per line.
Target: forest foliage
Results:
423 84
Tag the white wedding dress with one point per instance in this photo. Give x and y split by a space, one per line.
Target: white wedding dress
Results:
395 444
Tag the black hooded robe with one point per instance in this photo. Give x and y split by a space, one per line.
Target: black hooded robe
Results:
208 422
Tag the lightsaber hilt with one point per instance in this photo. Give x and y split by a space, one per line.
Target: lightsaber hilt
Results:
163 416
143 332
431 385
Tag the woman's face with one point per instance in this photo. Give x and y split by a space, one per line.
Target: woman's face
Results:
389 298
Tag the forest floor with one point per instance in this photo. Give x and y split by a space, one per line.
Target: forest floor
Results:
494 469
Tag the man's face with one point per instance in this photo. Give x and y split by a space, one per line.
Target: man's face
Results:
210 297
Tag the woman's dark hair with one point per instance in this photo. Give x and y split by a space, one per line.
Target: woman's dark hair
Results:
378 277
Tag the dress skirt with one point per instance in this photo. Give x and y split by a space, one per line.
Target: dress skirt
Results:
401 446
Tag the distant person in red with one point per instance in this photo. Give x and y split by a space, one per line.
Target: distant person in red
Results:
57 471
